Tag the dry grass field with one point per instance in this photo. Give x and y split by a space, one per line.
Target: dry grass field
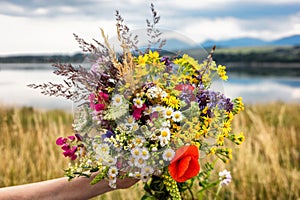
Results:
266 166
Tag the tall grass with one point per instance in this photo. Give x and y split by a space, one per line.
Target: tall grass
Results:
27 144
266 166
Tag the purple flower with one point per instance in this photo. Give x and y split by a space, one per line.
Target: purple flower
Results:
211 99
108 134
78 137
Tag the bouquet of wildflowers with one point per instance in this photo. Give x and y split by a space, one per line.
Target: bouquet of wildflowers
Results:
147 115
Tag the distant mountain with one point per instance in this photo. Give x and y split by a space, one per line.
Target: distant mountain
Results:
243 42
176 44
292 40
238 42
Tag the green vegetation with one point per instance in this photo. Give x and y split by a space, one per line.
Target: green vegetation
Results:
269 60
76 58
282 54
266 165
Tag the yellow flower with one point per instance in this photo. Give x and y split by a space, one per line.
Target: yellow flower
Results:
142 60
239 139
212 150
207 120
204 131
153 55
204 111
226 128
230 116
222 73
238 105
176 127
220 140
172 102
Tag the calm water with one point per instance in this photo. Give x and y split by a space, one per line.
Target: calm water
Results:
15 77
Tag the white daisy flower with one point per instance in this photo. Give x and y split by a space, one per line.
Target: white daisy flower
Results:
168 154
112 182
140 162
101 150
177 116
164 133
147 170
135 127
130 120
117 100
136 152
104 148
164 136
145 153
163 141
137 175
138 141
113 171
158 109
110 161
168 112
166 124
138 102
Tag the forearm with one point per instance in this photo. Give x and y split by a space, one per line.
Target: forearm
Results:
58 189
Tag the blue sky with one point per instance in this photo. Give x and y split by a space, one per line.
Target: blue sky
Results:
46 27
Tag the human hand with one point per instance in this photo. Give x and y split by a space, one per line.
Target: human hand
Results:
126 182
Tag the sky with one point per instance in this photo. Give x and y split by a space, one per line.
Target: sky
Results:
47 27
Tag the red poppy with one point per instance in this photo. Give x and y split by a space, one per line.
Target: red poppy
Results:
185 164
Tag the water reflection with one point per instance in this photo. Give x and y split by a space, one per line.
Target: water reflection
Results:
13 89
264 89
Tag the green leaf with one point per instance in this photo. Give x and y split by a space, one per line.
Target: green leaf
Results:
99 176
148 197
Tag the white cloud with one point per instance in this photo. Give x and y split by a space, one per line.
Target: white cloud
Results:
9 7
217 4
25 36
43 31
200 29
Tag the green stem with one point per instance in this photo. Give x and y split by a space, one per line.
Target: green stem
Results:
218 191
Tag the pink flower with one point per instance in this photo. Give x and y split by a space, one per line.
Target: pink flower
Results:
92 100
71 153
67 145
103 97
137 112
72 137
98 103
99 107
61 141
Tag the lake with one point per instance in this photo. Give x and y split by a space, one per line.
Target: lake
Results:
14 79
